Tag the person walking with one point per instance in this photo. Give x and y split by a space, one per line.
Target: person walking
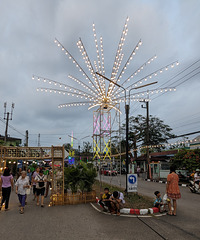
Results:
172 190
21 185
29 175
6 182
34 183
40 180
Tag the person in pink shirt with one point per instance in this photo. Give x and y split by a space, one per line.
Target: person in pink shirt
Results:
6 182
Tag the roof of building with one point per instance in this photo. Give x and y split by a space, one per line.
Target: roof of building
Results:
164 153
11 139
196 140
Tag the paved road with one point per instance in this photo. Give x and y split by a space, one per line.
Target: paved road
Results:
188 214
67 222
84 222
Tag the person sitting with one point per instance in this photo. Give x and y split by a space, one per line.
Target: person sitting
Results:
197 177
105 199
117 202
158 201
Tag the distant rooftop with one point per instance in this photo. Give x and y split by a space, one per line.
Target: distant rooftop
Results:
11 139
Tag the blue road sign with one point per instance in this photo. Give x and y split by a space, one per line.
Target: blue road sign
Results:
132 182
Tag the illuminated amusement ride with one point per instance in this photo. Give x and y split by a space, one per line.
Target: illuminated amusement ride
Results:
94 90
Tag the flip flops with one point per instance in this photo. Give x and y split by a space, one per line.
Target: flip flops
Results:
170 214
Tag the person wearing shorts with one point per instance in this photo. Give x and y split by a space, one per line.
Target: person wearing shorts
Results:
158 201
40 180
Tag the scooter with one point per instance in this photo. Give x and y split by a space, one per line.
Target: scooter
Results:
194 187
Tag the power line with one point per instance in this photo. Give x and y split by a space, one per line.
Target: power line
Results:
180 73
186 134
182 81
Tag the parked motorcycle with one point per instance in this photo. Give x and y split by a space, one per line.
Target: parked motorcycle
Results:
194 187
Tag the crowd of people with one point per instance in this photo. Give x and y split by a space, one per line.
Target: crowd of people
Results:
40 183
24 181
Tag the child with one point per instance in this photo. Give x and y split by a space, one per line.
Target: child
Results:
158 201
105 202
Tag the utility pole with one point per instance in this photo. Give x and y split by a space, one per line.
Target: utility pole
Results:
7 117
26 142
147 136
79 152
39 140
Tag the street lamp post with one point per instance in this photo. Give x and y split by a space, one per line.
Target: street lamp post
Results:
127 106
127 122
147 136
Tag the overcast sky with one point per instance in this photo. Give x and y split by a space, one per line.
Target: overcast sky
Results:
169 29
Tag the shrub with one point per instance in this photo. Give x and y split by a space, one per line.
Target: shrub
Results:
72 177
82 177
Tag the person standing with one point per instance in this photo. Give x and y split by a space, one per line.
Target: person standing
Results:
29 175
197 177
138 170
6 182
172 190
40 180
34 183
21 185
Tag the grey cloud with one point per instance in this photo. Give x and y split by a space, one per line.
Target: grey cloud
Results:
169 29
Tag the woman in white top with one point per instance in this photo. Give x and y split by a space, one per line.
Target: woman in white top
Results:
21 185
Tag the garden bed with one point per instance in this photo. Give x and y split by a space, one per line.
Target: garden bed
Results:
133 200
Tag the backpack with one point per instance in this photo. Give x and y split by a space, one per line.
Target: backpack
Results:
41 184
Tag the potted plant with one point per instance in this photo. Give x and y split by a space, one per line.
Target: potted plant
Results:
72 177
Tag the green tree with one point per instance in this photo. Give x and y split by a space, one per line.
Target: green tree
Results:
68 147
87 177
87 151
187 159
159 132
71 178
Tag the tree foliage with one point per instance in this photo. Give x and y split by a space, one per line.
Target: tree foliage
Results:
86 151
81 177
187 159
159 132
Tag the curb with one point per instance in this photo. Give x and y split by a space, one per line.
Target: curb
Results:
132 211
165 182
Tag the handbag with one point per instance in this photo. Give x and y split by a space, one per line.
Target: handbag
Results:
28 191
